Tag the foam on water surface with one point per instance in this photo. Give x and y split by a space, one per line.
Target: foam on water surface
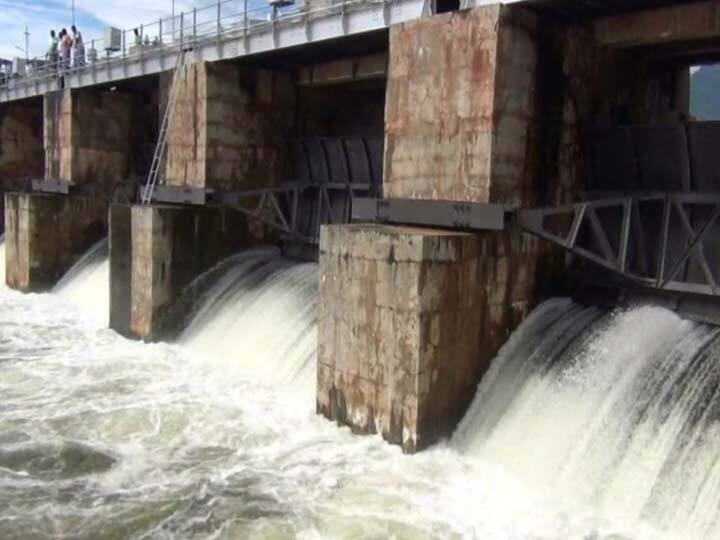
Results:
589 425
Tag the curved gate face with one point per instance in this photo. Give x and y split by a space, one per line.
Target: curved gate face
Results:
332 171
653 212
655 158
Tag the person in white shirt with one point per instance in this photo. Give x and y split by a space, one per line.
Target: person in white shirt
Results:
78 48
52 52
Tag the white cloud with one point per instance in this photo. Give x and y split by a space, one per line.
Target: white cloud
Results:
92 16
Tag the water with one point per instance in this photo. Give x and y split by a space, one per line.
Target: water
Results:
260 318
620 410
87 283
216 437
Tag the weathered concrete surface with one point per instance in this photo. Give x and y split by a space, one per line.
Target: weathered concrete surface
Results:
46 234
461 105
229 128
169 247
345 70
478 108
87 135
681 23
409 321
21 148
21 141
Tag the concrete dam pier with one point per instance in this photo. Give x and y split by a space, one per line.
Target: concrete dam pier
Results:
439 164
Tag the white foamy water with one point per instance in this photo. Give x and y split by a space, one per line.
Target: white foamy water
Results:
87 283
260 318
619 410
105 438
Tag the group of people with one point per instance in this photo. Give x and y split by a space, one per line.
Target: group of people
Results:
66 49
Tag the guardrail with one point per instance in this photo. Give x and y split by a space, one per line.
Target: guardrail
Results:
215 23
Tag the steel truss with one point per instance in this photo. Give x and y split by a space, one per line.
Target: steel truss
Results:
299 209
649 252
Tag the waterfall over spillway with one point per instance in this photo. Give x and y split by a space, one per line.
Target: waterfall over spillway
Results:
87 283
260 318
616 409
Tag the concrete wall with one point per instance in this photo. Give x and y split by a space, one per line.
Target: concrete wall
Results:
461 105
439 106
230 127
21 148
410 320
46 234
155 251
323 111
682 23
87 135
21 141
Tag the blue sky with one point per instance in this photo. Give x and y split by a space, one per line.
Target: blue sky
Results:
91 17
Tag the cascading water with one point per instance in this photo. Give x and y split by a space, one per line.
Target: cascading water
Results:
87 284
260 318
589 425
619 410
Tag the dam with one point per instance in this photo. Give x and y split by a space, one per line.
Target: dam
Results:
365 270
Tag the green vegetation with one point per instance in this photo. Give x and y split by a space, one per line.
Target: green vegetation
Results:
705 93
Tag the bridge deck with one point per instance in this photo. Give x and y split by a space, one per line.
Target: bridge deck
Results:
214 33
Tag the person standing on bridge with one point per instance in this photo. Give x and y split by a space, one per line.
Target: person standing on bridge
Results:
65 49
78 48
52 52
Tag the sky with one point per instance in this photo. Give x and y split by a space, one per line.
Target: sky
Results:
91 17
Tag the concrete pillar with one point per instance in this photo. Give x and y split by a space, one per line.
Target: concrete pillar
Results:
230 127
87 134
410 318
45 235
155 251
409 321
460 108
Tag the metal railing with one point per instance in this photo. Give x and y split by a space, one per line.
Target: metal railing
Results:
215 23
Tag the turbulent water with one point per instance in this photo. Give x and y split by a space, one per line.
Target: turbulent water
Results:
87 283
272 303
589 426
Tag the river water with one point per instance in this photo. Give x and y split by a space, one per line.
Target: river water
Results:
106 438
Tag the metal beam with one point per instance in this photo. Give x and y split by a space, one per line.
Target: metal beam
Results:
178 195
442 214
53 186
